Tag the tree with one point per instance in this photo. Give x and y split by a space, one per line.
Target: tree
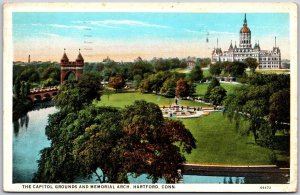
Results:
235 69
74 95
264 102
174 63
217 95
216 69
161 65
183 64
213 83
169 87
135 140
196 74
154 82
182 88
149 142
251 63
116 82
279 116
71 152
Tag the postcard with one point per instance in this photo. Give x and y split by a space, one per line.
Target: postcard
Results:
150 97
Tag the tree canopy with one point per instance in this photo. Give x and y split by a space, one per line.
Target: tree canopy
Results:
74 95
116 82
196 74
264 101
135 140
217 95
213 83
182 88
251 63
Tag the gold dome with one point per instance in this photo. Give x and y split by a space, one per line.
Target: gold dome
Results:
245 29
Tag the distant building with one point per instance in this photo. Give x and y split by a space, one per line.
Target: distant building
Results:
191 62
267 59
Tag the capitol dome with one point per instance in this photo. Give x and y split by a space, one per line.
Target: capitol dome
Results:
245 29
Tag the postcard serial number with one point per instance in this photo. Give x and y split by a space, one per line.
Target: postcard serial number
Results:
265 187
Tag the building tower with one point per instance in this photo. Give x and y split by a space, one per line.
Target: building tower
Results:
67 68
245 35
29 59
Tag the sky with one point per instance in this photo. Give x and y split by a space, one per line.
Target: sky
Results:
125 36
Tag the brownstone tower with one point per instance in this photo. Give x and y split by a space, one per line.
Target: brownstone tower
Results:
67 67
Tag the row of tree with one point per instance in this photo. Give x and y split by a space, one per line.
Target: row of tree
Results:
234 69
167 83
39 75
265 102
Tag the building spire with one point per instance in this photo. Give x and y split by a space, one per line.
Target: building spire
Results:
275 41
245 20
217 43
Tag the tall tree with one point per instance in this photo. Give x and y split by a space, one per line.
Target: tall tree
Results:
216 69
73 96
265 104
149 142
235 69
182 88
196 74
279 116
251 63
213 83
116 82
217 95
169 87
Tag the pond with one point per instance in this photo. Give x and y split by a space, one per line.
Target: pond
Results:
29 138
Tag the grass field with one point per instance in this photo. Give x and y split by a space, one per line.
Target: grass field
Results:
279 71
122 99
218 142
206 73
201 88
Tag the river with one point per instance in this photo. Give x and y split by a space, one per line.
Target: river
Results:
29 138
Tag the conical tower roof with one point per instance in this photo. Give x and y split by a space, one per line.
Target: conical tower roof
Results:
230 47
79 57
65 57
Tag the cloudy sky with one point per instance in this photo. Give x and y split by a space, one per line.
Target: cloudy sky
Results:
125 36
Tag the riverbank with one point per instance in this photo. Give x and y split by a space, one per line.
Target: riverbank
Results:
258 173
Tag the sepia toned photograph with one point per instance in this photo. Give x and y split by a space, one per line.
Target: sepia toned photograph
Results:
150 97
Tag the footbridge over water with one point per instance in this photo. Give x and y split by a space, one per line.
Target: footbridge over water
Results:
43 94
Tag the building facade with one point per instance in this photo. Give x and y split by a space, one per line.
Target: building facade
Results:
267 59
67 67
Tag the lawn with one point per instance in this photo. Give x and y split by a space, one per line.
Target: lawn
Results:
201 88
122 99
218 142
278 71
206 72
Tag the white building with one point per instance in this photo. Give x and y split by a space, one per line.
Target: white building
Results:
267 59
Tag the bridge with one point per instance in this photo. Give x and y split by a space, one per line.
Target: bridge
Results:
43 94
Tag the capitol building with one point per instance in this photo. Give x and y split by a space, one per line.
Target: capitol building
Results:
267 59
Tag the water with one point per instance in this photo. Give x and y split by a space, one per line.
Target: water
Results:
29 138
